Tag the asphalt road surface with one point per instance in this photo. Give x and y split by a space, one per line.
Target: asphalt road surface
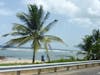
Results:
87 71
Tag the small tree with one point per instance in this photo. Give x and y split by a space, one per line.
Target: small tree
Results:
86 46
91 44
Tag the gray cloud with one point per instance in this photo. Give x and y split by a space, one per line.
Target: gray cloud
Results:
81 12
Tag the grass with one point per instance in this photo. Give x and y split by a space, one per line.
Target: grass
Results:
65 60
12 64
60 60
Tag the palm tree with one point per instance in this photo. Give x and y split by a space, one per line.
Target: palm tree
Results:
86 46
91 44
96 43
33 29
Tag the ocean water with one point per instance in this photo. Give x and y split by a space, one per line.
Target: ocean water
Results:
27 54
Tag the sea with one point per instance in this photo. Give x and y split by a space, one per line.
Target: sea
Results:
24 53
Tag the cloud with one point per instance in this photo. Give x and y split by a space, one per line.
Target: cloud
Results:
85 22
94 8
85 13
56 6
89 14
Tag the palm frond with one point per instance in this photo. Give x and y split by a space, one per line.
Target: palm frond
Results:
50 38
40 16
5 35
40 13
30 20
18 33
95 35
16 41
24 17
14 34
35 16
45 18
33 9
25 40
48 27
21 28
82 46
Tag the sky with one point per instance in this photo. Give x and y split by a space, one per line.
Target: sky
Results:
76 18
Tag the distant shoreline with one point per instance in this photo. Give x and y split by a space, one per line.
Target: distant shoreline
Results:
15 60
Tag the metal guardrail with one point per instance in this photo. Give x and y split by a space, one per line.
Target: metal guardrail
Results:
44 66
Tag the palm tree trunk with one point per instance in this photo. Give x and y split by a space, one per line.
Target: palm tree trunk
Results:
33 59
48 57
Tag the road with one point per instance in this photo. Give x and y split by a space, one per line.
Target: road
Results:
87 71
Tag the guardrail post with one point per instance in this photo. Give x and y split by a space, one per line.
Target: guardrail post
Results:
67 68
55 69
99 64
93 64
39 71
18 73
78 66
86 66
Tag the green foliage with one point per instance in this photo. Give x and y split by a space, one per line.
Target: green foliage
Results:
72 58
11 64
60 60
66 60
91 44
